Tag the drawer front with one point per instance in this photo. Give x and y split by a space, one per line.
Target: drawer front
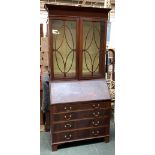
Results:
69 125
78 106
80 134
80 115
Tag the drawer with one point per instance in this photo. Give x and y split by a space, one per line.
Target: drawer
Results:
80 115
80 134
78 106
85 123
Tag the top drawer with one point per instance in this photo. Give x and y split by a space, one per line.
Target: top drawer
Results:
79 106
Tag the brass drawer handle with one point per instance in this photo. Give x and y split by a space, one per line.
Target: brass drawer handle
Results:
68 136
68 117
68 125
96 106
96 123
96 114
95 133
67 108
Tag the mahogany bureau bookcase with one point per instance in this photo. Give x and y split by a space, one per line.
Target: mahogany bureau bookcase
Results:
80 104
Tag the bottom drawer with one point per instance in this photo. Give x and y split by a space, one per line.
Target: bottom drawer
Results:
80 134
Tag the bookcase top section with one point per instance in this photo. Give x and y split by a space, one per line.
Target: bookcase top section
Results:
78 91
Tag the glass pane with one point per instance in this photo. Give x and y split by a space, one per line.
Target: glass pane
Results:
91 47
64 45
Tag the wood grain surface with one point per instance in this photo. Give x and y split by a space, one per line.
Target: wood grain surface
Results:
74 91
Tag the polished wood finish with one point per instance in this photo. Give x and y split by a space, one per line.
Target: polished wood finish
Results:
79 110
62 10
78 14
79 117
77 91
59 108
83 134
80 114
81 123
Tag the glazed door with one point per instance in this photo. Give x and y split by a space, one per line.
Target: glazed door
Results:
64 48
77 48
93 42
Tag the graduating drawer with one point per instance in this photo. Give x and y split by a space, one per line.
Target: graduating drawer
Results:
85 123
78 106
80 115
80 134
